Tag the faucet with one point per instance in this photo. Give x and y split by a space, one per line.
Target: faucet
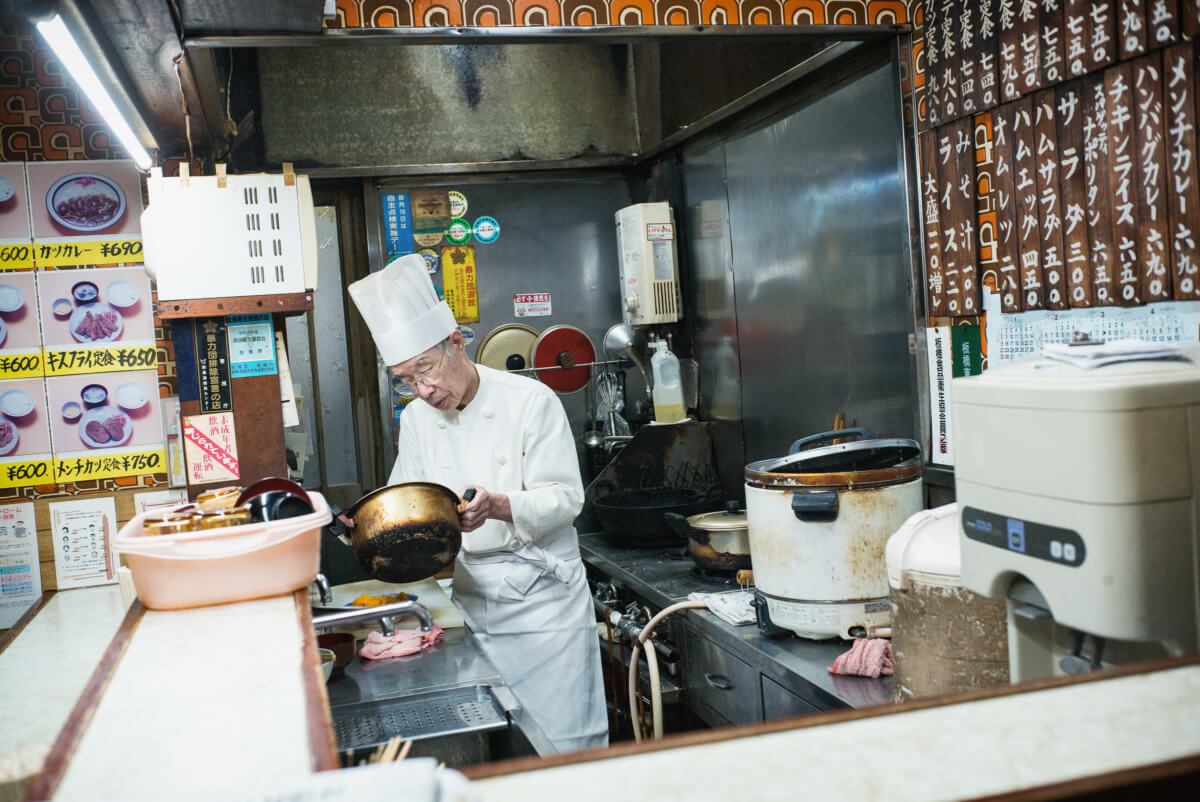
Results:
384 613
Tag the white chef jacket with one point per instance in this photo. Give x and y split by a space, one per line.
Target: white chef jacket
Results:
521 586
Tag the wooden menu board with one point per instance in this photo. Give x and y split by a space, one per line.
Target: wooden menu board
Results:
986 73
1153 235
956 172
1122 150
1102 33
1183 210
1028 32
1029 225
949 59
1051 31
1073 188
929 48
986 219
1008 44
1007 232
1075 36
1050 207
930 212
1162 22
1099 200
968 26
1131 28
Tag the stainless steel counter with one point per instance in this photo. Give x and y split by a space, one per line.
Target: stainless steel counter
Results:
664 577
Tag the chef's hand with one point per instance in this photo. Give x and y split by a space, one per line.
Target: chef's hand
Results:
485 505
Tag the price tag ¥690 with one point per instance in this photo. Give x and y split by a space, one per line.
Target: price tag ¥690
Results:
101 252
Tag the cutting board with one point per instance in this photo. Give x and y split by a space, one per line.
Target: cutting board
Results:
428 592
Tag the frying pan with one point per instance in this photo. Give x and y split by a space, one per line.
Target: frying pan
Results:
405 532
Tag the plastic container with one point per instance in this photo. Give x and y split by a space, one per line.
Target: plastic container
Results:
220 566
668 387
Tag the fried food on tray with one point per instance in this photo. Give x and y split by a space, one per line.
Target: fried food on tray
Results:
377 601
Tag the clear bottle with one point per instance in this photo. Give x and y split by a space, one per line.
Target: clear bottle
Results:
668 387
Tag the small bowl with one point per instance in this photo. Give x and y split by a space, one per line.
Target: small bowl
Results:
11 298
85 292
72 410
94 394
342 645
131 396
62 307
275 505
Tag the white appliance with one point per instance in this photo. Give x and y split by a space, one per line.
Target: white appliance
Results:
1079 493
649 265
222 236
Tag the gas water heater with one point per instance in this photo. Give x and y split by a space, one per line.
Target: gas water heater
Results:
649 266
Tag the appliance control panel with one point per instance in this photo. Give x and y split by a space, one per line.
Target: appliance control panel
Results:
1033 539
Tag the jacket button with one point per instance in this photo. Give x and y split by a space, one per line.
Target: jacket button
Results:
441 424
488 412
502 460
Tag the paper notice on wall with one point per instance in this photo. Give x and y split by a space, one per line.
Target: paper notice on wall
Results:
531 304
287 390
210 448
81 535
941 372
458 282
20 575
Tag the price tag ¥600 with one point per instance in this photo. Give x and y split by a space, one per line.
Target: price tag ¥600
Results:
26 474
16 256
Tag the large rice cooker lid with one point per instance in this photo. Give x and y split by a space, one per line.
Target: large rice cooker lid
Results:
862 462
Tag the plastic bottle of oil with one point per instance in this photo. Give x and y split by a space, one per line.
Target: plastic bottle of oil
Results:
668 387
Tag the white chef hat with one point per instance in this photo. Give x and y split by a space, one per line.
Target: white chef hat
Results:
402 309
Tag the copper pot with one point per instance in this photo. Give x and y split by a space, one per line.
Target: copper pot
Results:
406 532
718 542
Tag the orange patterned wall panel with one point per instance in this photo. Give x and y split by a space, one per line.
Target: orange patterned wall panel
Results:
804 12
887 12
537 12
631 12
720 12
585 12
679 12
762 12
437 13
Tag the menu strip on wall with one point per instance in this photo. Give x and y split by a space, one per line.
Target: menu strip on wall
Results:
1183 209
1007 238
1053 53
1099 200
986 73
1073 186
1075 36
930 49
986 216
1049 204
965 155
1153 234
1009 54
1029 31
1132 23
954 250
950 58
1162 22
930 206
968 18
1102 33
1028 220
1122 145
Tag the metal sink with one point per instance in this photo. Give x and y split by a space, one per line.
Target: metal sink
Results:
419 717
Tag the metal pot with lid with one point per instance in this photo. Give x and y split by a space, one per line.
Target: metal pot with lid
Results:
718 542
819 519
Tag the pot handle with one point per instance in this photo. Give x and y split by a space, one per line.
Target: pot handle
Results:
337 528
815 507
680 525
467 495
825 438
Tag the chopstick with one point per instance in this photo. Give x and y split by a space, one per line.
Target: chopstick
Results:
393 746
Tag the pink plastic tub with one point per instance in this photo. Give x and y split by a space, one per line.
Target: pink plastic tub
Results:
219 566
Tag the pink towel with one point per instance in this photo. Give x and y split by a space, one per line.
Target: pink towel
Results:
399 644
868 657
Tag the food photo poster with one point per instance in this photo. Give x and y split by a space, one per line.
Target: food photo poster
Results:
92 200
20 335
95 308
81 534
15 232
109 412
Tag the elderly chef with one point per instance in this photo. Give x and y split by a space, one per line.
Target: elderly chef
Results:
519 579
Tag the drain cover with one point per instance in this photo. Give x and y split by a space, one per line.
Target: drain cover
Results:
431 715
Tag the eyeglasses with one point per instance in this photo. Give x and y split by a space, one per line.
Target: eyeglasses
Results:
427 376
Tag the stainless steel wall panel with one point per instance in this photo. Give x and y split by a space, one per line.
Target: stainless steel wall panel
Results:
819 232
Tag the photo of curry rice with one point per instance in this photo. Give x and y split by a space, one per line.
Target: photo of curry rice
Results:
367 600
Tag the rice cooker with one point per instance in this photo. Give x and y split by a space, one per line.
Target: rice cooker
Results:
819 519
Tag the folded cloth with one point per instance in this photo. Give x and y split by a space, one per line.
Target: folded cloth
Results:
403 642
732 607
868 657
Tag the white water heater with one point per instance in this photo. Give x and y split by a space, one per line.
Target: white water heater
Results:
649 266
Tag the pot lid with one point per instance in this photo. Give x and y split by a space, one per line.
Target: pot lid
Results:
507 345
732 517
861 455
561 348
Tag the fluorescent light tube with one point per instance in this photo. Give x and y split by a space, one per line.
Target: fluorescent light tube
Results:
68 52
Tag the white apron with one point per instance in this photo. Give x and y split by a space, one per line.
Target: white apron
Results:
520 586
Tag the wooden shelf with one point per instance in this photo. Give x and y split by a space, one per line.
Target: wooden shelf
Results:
287 304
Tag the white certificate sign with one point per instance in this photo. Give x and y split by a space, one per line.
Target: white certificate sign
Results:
82 533
941 372
20 575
